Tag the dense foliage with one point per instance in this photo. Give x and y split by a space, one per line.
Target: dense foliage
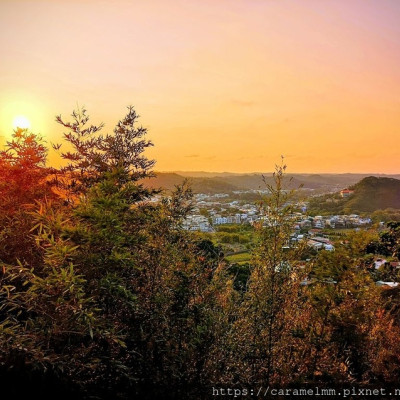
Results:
104 295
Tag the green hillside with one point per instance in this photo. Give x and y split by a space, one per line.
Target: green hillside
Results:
370 194
375 194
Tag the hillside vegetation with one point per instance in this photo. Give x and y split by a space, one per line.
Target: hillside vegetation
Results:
370 194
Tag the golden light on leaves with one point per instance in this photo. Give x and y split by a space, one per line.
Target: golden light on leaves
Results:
21 121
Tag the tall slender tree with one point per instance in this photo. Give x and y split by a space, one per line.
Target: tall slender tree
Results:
93 156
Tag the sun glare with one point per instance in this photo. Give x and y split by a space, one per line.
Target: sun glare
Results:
21 122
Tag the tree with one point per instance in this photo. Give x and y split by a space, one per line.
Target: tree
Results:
342 304
268 312
22 171
388 243
94 156
23 181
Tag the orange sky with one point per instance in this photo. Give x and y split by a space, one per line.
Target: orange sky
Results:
221 85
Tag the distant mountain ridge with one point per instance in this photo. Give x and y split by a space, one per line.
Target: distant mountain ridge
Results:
168 180
225 182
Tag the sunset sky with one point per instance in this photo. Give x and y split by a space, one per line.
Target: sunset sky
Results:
221 85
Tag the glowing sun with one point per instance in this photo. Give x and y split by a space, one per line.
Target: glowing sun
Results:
21 122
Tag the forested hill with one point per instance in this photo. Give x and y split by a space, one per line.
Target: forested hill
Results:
374 193
370 194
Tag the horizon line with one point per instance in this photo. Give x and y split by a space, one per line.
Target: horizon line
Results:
271 172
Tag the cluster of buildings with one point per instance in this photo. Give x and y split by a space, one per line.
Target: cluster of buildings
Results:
219 209
197 222
334 221
232 219
247 213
